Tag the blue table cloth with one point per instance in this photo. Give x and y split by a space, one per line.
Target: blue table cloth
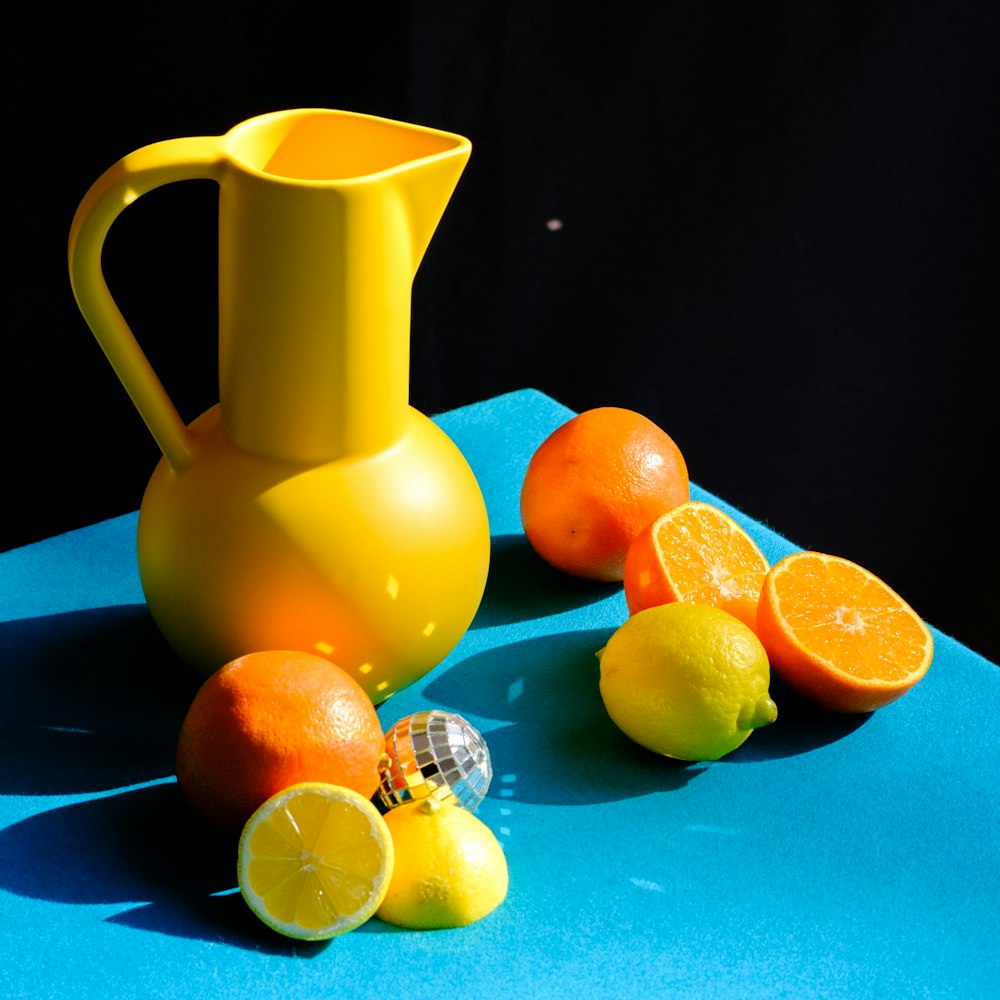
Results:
830 856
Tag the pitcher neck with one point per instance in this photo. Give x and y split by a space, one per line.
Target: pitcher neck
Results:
315 323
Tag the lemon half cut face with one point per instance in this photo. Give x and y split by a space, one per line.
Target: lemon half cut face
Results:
315 861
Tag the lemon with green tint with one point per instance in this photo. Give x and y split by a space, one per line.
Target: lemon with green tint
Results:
686 680
315 861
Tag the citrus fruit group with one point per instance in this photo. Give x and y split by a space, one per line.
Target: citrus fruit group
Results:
315 861
686 681
449 868
593 484
696 553
269 720
839 635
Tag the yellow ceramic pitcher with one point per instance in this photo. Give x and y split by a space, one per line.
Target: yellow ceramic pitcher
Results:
313 508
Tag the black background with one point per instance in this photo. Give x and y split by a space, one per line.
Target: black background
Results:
778 241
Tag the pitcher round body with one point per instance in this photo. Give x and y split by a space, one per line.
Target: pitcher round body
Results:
312 508
377 563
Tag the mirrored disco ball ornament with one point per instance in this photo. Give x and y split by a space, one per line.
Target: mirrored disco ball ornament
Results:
434 753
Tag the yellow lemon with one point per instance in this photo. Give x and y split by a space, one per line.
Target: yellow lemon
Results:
686 681
315 861
449 871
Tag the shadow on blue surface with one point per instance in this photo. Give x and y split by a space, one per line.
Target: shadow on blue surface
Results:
139 846
522 586
559 747
800 727
127 847
99 697
96 702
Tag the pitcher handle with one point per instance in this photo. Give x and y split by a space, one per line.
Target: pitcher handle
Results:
134 175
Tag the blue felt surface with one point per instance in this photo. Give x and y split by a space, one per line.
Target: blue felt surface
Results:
828 857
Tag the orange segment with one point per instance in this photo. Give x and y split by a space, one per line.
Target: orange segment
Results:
698 554
839 635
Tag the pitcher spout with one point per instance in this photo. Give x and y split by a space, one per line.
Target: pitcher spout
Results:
425 187
422 164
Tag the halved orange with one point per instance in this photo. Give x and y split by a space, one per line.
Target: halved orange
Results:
699 554
837 634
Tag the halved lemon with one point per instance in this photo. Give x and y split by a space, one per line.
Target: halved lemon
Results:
315 861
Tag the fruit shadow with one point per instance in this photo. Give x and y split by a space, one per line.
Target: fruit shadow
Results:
558 745
95 702
522 586
801 726
141 847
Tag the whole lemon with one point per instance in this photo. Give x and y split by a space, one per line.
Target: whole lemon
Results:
449 869
686 681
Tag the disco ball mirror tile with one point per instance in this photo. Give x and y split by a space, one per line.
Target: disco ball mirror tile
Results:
434 753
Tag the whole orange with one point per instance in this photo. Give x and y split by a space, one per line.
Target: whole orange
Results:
269 720
593 484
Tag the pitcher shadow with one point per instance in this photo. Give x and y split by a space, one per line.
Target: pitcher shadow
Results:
557 745
96 702
522 586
